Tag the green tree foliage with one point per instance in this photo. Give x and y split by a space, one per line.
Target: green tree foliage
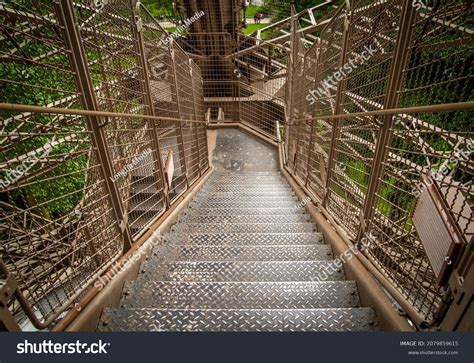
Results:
58 188
159 8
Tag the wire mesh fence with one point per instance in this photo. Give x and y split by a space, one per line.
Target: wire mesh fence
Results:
365 168
77 188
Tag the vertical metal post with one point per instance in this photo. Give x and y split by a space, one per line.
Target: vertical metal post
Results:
392 97
180 134
338 108
298 125
159 171
311 140
196 117
313 122
289 85
239 93
89 101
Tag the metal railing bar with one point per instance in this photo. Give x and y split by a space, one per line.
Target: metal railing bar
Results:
445 107
12 107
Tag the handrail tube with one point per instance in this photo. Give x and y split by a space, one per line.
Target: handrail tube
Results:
13 107
445 107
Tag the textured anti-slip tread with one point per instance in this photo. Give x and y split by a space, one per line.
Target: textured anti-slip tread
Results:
247 253
268 271
144 188
246 177
247 239
233 320
226 188
245 184
261 219
241 295
300 227
256 199
244 256
242 203
243 211
146 204
249 193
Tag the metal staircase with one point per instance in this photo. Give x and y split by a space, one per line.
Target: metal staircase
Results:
243 257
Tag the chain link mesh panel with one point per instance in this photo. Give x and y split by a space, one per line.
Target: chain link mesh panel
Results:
60 230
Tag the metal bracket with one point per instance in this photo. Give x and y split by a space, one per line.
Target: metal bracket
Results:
124 223
8 287
139 25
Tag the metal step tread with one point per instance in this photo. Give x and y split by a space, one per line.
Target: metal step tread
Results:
247 239
243 253
238 320
241 295
262 228
145 203
249 189
243 204
246 176
244 211
248 193
144 188
247 219
245 271
249 186
210 197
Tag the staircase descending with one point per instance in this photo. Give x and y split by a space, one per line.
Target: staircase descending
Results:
243 257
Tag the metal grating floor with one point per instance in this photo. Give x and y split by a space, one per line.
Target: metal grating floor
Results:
244 257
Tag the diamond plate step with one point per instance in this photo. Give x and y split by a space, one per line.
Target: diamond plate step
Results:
249 172
248 239
307 320
246 176
225 188
239 271
144 188
246 253
244 228
248 181
211 198
260 219
244 211
146 204
242 295
272 193
242 204
244 256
